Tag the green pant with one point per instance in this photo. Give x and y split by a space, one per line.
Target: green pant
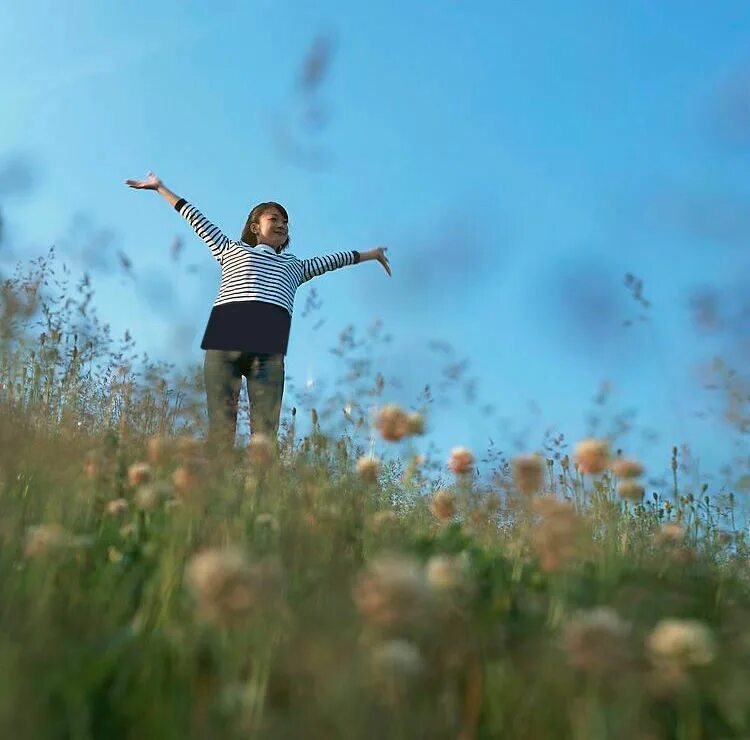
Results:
223 371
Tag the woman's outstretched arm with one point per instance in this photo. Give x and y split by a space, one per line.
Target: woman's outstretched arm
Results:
210 234
318 265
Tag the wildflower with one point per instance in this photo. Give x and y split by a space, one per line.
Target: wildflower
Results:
555 537
461 461
226 588
415 423
595 641
392 592
392 422
369 468
624 467
528 473
116 506
443 505
669 534
412 469
139 473
261 449
630 490
680 644
114 555
592 456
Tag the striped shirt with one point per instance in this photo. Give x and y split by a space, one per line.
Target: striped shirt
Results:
253 310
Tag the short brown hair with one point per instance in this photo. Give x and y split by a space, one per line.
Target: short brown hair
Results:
248 236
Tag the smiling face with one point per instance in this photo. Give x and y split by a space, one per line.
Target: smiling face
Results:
272 228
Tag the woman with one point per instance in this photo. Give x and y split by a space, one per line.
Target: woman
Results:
248 330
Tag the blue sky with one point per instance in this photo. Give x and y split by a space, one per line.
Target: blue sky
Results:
517 159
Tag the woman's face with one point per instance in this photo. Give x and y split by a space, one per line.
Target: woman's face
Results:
272 228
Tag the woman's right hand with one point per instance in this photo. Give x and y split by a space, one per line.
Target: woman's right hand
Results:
152 182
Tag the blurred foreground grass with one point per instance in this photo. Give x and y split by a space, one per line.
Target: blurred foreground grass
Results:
152 588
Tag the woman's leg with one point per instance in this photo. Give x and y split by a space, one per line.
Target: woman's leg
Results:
222 377
265 388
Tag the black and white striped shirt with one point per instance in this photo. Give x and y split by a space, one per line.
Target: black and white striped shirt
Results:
253 310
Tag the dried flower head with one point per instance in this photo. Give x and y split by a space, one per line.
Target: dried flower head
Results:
443 505
592 456
92 465
528 473
139 473
187 447
630 490
148 497
392 422
261 449
670 533
680 644
596 641
461 461
384 520
189 478
267 520
227 589
624 467
158 448
448 574
392 593
555 536
48 539
369 468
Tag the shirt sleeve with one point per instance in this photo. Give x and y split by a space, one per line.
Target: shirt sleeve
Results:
212 235
318 265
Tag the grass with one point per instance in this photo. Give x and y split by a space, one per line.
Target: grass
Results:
154 588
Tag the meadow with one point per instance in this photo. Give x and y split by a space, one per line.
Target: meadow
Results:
155 588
